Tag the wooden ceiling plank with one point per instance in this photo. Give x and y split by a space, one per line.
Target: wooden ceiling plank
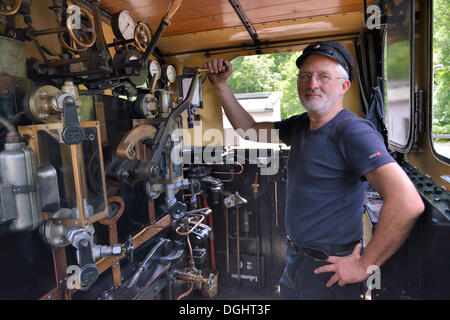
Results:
316 13
333 7
300 4
203 24
188 14
159 8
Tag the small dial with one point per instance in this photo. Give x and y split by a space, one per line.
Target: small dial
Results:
168 73
154 69
123 25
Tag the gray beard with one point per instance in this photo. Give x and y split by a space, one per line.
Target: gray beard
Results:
317 107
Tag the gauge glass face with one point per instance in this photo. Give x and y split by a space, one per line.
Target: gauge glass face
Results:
154 69
171 73
126 24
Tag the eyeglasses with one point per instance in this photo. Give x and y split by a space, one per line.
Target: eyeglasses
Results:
322 78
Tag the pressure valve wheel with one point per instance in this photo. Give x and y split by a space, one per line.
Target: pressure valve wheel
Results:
82 38
142 35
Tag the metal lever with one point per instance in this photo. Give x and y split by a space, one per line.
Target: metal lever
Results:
143 265
72 133
81 240
164 131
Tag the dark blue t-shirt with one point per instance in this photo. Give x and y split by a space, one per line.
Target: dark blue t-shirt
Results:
325 177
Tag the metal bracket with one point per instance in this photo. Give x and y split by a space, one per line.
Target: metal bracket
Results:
25 188
247 24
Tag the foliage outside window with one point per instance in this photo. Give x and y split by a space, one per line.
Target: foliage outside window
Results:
441 79
267 73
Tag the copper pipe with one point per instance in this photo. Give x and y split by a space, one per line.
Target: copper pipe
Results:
197 223
151 211
181 296
231 173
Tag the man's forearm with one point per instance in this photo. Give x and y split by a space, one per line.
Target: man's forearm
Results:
401 208
391 231
236 114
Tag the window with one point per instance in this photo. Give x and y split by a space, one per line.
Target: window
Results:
441 80
397 68
266 86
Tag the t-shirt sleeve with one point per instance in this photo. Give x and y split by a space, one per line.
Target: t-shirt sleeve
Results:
286 127
364 148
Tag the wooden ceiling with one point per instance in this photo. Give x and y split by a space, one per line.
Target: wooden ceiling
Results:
199 16
202 15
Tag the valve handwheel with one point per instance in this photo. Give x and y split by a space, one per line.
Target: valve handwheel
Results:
10 7
142 35
80 39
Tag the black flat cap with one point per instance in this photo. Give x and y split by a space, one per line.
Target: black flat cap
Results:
333 50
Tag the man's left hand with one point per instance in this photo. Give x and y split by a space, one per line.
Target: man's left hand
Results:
346 269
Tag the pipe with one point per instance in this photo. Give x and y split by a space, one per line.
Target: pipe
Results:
238 247
227 237
12 134
258 249
212 250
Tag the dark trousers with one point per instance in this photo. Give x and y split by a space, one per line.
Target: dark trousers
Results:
300 283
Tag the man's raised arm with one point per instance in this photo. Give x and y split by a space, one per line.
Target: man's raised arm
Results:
219 71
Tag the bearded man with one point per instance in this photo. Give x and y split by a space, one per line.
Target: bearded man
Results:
334 154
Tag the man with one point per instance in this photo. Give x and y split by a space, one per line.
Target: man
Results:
333 155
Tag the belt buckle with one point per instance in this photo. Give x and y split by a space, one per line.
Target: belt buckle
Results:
294 248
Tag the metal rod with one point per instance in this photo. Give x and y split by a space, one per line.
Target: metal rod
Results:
246 22
258 249
227 244
244 238
152 45
238 248
276 203
48 31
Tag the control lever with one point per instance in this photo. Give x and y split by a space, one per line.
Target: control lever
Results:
143 265
72 133
165 129
81 240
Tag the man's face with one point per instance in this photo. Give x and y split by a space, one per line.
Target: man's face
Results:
325 87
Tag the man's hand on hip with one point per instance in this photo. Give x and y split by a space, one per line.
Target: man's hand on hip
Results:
346 269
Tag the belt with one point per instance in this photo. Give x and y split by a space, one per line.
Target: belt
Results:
329 249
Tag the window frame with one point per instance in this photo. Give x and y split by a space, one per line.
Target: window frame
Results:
412 136
431 88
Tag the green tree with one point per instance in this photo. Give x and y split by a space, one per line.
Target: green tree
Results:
253 74
441 59
265 73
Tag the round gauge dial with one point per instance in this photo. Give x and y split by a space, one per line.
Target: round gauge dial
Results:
123 25
154 69
168 73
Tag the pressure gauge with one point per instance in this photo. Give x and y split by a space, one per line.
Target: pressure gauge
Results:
168 73
123 25
154 69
